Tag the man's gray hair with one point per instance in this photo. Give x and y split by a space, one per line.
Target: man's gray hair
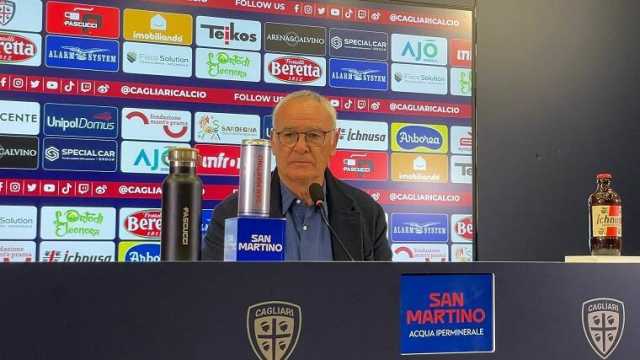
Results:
307 94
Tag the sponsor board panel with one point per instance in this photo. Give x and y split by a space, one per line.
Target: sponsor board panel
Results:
154 59
21 15
77 251
419 79
419 49
218 160
358 74
77 223
419 168
83 20
17 251
363 135
461 140
157 27
156 124
420 252
218 64
267 126
360 165
138 251
358 44
18 222
139 224
24 49
19 152
228 33
419 138
146 157
19 117
461 82
461 169
80 121
461 252
461 228
418 227
461 53
83 54
75 154
295 39
225 128
207 214
295 69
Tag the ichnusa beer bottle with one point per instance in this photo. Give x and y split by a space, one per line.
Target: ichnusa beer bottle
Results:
181 208
605 218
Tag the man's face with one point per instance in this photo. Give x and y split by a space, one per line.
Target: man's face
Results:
302 162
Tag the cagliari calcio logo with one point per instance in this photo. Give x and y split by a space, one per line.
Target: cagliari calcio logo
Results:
603 324
274 329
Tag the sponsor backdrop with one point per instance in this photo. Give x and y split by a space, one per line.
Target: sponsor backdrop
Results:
94 93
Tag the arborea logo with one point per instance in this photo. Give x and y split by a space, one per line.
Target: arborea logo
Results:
155 124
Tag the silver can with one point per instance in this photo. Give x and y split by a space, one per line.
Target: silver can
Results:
255 178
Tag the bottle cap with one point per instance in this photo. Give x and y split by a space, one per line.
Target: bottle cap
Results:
183 154
603 176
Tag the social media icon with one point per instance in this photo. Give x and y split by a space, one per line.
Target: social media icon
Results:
32 187
15 187
83 188
86 87
4 82
362 104
335 12
100 190
375 16
348 105
363 14
308 9
69 87
335 103
103 88
18 83
2 188
52 85
321 10
49 188
35 84
348 14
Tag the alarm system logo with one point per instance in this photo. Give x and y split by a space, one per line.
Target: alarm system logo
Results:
274 329
603 323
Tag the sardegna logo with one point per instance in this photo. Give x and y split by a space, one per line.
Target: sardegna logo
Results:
295 70
20 49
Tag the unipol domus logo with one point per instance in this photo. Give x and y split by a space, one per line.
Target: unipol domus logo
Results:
603 324
274 329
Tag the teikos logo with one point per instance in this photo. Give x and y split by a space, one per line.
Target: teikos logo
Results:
294 70
71 154
156 124
461 169
158 27
295 39
231 65
358 74
419 138
83 20
419 168
419 79
84 54
18 222
17 251
461 140
228 33
19 117
134 251
21 15
360 165
220 160
460 54
363 135
20 49
154 59
461 228
146 157
140 223
358 44
603 324
418 49
274 329
77 251
223 128
18 152
461 82
409 227
81 120
78 223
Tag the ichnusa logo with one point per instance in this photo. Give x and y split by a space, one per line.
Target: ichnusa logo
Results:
83 54
81 120
72 154
134 251
294 70
21 15
410 227
419 138
274 329
77 251
146 157
217 64
603 324
358 74
418 49
20 49
228 33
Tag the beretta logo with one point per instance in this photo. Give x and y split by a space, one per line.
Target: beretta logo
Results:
138 223
84 54
18 152
358 44
228 33
294 70
228 65
223 128
82 19
154 59
20 49
81 120
419 138
358 74
295 39
603 324
21 15
19 117
156 124
72 154
419 49
461 228
274 329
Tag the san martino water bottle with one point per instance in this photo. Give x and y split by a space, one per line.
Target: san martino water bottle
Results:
181 208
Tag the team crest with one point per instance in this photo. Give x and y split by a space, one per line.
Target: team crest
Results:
603 323
274 329
7 10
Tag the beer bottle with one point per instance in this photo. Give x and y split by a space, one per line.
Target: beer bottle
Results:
181 208
605 218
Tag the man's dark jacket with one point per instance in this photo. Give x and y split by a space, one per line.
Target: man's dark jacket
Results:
355 216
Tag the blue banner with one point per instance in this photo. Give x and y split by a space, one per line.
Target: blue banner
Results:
357 74
80 154
80 121
81 53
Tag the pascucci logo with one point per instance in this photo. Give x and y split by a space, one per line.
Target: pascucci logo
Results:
52 153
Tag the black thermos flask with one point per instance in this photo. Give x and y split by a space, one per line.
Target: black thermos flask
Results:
181 208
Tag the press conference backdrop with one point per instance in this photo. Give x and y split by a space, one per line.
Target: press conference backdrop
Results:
93 94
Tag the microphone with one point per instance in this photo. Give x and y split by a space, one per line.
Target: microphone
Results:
317 196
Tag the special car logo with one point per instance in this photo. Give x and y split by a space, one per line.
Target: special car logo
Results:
603 324
7 11
274 329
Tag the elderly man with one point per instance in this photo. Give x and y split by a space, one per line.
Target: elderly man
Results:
304 137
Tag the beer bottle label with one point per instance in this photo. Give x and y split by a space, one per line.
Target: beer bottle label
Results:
606 220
